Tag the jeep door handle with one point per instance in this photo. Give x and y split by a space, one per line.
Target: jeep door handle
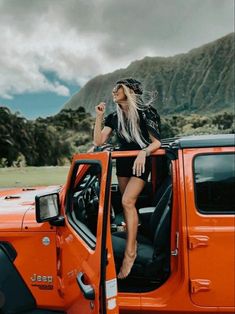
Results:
87 290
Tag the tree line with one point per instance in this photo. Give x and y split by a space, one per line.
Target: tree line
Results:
53 140
45 141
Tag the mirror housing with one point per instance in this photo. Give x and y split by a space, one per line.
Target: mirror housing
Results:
47 207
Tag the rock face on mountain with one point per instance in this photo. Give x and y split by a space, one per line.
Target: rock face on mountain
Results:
201 81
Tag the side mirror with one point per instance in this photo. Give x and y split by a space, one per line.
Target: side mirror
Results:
47 207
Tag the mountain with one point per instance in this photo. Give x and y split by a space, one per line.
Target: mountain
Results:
200 81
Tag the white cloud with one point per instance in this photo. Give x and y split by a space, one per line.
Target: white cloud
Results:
80 39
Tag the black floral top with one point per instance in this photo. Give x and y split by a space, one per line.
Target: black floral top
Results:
149 121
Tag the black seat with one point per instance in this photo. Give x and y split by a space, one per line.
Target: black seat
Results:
153 251
119 218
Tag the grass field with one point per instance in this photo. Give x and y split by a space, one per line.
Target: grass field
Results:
36 176
32 176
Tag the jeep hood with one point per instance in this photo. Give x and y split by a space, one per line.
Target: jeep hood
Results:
17 209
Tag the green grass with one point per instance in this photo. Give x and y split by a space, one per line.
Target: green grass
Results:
32 176
36 176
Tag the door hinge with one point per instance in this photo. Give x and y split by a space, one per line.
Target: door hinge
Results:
61 286
59 241
176 250
195 241
197 285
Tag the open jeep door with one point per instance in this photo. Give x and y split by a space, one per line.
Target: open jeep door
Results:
86 269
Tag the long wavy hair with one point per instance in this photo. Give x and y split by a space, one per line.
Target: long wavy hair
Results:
128 123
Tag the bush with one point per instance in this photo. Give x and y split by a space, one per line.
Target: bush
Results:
20 161
3 162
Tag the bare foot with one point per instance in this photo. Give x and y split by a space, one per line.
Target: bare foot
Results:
127 264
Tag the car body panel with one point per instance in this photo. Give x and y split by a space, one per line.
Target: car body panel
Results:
211 243
15 203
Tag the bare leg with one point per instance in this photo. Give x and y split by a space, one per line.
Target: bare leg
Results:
122 183
130 195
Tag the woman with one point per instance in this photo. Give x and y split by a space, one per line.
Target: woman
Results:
137 128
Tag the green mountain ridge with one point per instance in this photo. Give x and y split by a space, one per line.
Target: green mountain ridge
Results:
199 81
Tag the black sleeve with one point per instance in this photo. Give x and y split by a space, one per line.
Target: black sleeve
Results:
109 121
153 122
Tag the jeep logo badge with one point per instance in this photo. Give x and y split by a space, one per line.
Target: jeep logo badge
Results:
41 278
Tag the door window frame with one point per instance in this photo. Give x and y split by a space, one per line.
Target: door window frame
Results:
81 229
201 211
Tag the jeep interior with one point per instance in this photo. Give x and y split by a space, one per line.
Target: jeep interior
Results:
152 265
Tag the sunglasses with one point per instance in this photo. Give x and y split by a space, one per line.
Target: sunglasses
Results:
116 88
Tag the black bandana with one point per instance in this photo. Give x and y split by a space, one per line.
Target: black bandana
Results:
132 84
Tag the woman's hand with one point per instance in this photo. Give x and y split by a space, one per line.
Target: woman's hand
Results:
100 109
139 163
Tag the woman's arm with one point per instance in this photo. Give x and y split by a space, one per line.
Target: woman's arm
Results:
155 145
100 135
139 164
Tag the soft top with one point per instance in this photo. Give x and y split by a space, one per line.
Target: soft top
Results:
198 141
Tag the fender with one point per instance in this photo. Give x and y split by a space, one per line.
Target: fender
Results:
13 287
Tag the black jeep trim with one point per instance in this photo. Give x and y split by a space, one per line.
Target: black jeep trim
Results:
219 140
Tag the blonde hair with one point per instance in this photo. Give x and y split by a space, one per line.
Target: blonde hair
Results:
128 125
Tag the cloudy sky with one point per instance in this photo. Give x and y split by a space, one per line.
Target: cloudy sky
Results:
50 48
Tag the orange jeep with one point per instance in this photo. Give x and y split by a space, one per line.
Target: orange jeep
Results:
61 250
